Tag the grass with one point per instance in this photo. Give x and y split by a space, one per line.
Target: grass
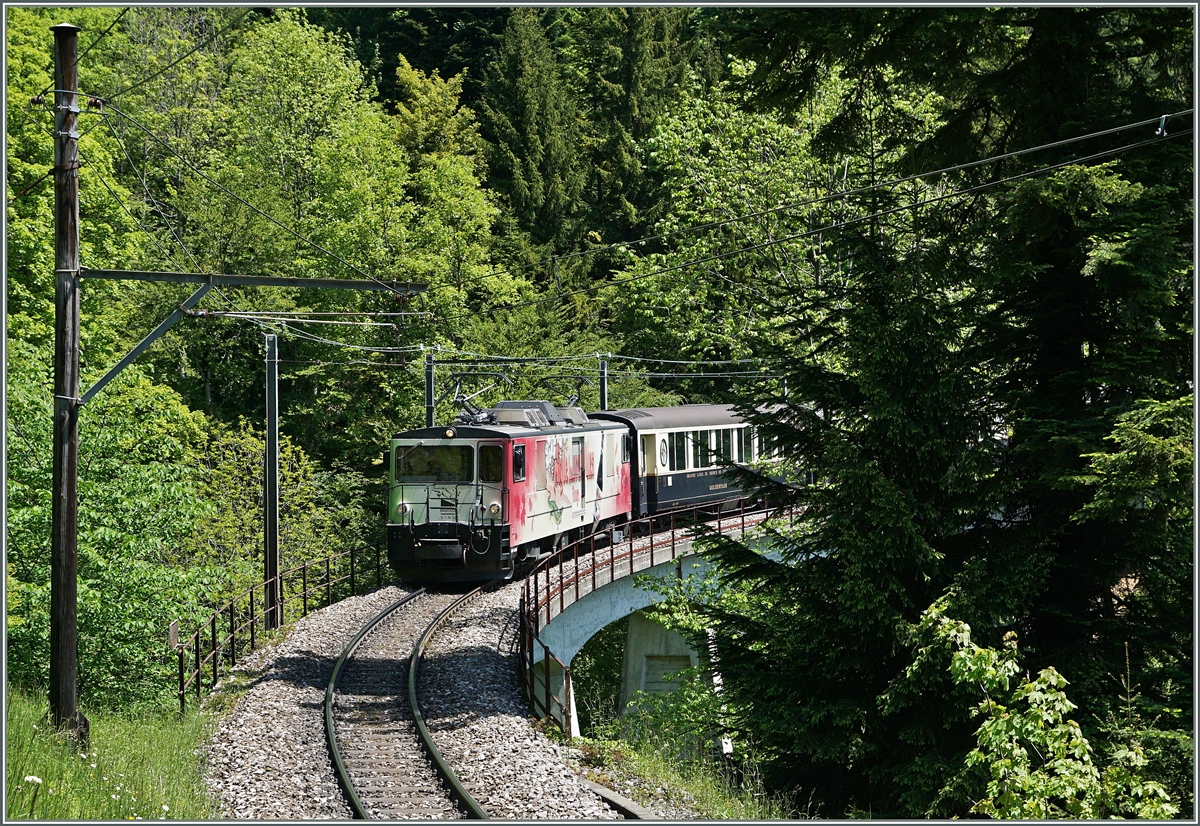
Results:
136 767
650 776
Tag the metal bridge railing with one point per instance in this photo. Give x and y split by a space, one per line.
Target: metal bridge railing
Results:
233 630
578 569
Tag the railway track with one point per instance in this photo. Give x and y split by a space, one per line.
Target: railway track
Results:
384 758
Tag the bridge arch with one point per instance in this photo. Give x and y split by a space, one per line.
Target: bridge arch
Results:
650 649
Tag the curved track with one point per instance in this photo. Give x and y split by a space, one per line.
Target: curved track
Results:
382 753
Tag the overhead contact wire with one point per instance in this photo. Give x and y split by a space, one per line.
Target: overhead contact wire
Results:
830 227
832 197
237 20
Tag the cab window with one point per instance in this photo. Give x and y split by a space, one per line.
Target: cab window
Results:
518 463
491 463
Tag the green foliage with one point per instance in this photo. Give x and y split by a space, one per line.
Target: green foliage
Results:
137 503
687 721
531 124
170 524
717 163
320 513
624 65
596 677
1038 764
432 39
710 788
952 368
108 232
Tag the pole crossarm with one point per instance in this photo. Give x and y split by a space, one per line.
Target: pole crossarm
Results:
167 324
222 279
207 282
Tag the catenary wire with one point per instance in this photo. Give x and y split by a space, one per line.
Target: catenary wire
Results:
726 221
411 367
29 444
102 34
755 247
150 199
100 37
372 313
831 227
27 189
290 319
237 20
825 198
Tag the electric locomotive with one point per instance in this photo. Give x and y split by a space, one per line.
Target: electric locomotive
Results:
477 498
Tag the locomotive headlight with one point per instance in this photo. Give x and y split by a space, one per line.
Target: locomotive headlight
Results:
494 509
450 432
401 509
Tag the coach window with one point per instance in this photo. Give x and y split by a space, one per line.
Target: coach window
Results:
745 444
701 449
677 445
518 463
725 445
625 450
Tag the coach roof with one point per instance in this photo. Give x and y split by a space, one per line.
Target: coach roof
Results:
668 418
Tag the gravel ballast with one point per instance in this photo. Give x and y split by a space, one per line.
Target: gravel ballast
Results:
268 757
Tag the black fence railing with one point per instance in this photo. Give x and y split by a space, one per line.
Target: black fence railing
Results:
235 629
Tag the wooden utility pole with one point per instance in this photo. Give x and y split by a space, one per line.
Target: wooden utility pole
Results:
64 635
271 490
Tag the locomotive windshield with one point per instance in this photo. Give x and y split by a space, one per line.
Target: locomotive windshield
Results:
438 463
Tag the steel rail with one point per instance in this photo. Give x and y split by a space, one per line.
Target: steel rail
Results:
339 767
472 806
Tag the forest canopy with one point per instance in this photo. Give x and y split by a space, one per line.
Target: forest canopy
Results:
950 250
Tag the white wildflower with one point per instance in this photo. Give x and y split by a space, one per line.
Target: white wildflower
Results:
32 778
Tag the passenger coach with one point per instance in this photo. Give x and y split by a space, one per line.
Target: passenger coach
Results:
680 452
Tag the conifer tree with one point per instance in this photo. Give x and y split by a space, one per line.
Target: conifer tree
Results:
958 391
531 123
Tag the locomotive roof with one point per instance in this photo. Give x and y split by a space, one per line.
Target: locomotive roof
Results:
663 418
501 431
